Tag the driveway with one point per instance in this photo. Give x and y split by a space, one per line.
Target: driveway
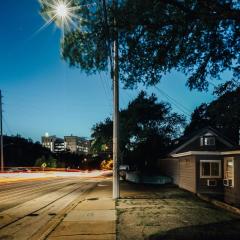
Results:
169 213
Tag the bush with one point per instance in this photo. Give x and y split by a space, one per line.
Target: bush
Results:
51 162
40 161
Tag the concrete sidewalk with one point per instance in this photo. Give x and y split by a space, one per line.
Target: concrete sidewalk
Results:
92 219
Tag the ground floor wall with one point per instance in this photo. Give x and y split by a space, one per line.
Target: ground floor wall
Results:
169 167
232 193
187 173
182 171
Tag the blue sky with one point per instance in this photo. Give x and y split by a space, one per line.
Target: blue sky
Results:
42 94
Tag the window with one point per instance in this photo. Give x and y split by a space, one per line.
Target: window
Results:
229 171
207 141
210 168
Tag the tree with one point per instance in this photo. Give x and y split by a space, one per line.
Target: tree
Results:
40 161
199 38
147 127
101 133
19 151
222 114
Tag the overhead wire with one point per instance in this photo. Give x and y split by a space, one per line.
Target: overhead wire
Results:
106 91
176 103
7 126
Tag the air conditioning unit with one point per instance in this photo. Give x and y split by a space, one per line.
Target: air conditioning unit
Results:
211 183
226 182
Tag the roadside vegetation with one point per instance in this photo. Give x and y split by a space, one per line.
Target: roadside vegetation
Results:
147 127
22 152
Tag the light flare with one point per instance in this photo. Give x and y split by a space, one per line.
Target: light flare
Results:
62 12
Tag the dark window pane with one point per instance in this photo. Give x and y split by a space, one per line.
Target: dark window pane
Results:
214 169
205 169
208 141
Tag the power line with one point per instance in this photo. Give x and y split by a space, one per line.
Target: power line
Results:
7 126
106 91
184 107
174 102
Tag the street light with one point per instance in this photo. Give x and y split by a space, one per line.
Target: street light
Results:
62 10
65 12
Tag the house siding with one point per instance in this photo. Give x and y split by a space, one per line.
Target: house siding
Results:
232 194
170 167
187 173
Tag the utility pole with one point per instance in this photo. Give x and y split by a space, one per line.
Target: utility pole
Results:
1 132
116 192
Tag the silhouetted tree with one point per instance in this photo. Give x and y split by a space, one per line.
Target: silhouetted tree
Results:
19 151
199 38
222 114
146 126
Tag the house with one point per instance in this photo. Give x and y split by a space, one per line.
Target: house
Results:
206 162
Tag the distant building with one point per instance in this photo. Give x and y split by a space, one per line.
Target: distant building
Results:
84 146
59 145
48 142
77 144
53 143
73 144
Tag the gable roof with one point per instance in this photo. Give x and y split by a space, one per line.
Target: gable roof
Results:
198 134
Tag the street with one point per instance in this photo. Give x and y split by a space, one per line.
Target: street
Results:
30 209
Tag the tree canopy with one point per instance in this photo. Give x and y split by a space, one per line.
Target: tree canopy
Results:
222 114
146 126
199 38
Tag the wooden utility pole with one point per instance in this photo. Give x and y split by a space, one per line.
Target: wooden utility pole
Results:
1 132
116 192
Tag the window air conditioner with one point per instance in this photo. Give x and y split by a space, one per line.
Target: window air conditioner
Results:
211 183
226 182
230 182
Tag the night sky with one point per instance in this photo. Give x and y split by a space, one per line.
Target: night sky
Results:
42 94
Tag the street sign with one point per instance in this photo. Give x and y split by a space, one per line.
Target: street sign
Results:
43 165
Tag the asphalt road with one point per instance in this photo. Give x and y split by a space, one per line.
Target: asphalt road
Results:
28 207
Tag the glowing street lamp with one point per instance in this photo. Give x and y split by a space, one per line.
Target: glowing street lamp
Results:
62 10
63 13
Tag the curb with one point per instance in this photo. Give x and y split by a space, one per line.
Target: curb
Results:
9 180
219 204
